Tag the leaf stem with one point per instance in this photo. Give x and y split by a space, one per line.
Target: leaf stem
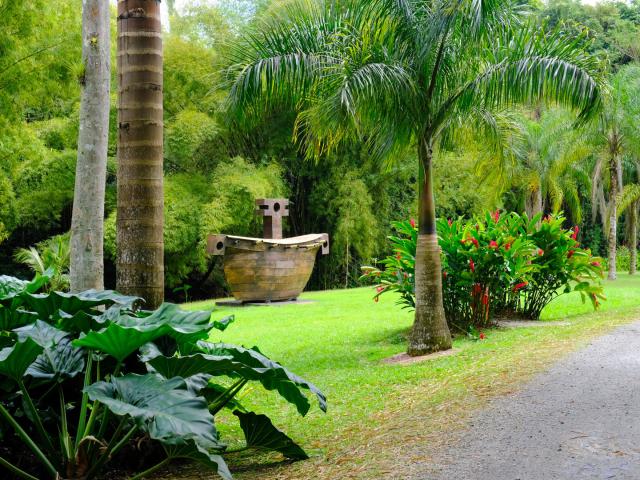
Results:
28 441
82 421
36 418
19 472
151 470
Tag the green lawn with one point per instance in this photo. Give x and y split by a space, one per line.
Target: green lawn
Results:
375 409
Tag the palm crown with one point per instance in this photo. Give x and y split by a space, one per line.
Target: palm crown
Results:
397 73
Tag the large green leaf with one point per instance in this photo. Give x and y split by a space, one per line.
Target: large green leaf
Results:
48 305
13 316
42 333
261 433
127 333
200 453
274 375
11 286
58 362
163 408
15 360
184 326
118 341
251 366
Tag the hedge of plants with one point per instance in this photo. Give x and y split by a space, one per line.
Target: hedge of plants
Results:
90 383
501 265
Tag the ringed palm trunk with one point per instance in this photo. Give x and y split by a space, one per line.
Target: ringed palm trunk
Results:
87 224
140 263
613 219
633 238
430 332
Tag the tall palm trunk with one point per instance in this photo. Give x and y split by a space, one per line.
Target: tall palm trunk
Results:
613 218
430 332
140 263
633 237
87 224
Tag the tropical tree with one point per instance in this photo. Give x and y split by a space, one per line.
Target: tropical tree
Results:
616 137
140 262
87 227
402 74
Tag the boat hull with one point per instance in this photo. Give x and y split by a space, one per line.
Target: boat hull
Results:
260 270
268 276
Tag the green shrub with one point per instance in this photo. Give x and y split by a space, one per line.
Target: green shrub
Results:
191 142
623 258
496 266
87 377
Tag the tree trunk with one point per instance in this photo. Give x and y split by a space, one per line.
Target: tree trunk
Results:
87 224
430 332
140 262
613 218
633 237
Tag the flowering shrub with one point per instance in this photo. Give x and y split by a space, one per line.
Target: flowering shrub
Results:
560 267
398 272
503 265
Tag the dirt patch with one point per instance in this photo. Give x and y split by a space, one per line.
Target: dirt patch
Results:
404 359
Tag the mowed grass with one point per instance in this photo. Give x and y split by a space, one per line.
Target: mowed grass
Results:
384 418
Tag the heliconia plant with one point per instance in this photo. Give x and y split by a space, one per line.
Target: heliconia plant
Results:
86 378
501 265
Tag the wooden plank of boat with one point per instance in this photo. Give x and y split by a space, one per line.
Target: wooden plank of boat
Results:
265 270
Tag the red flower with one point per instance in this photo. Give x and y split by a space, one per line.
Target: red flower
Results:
540 252
450 222
379 289
482 336
477 288
507 246
574 235
570 253
493 244
485 299
413 223
474 240
496 215
519 286
444 274
398 256
595 264
472 266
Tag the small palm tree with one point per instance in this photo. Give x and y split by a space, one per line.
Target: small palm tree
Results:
397 74
547 161
51 255
616 137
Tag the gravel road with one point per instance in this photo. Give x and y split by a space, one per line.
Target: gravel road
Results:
578 421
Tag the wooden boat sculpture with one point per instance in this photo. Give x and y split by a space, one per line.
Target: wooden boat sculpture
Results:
272 268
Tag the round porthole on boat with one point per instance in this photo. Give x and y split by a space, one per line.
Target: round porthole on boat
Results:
276 207
219 245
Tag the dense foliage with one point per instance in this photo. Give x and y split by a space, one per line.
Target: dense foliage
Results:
89 382
346 195
500 265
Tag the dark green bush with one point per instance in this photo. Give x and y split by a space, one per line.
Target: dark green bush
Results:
86 377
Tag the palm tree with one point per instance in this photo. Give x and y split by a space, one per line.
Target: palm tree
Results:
140 252
401 73
50 257
87 226
616 135
547 161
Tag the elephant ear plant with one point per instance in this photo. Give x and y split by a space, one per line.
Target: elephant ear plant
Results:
86 379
